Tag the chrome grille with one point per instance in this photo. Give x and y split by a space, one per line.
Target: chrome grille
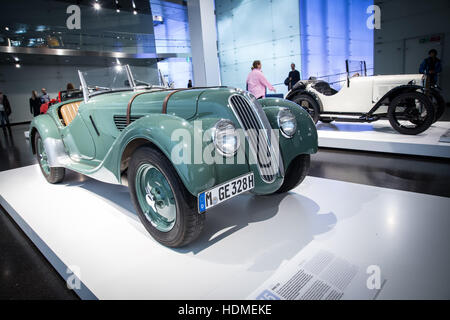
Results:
121 121
257 136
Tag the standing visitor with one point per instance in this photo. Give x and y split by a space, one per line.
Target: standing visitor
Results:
35 103
189 85
257 82
431 67
293 77
45 98
5 111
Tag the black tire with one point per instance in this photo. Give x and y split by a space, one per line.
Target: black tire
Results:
296 173
309 104
54 175
418 126
439 104
326 120
189 223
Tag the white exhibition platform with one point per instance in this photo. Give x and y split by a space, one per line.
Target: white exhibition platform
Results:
91 228
379 136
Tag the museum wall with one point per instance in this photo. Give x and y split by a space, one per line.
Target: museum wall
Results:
172 36
409 29
317 35
257 30
41 29
333 31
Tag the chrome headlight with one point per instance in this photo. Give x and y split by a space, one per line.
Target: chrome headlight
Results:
287 122
225 137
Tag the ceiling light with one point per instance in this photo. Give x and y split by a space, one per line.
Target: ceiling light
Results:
97 5
16 59
17 65
7 28
134 11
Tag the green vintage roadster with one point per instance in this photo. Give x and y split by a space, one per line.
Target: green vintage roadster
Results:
180 151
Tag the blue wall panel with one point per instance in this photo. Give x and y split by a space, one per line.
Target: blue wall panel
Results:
317 35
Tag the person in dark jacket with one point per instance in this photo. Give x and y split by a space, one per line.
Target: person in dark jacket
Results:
293 77
431 67
35 103
5 111
189 85
45 98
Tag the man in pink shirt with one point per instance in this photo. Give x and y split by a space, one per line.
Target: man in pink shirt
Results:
257 82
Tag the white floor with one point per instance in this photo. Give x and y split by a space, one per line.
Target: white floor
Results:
379 136
91 227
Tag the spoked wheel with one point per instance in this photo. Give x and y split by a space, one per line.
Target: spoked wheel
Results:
309 104
165 207
411 113
52 174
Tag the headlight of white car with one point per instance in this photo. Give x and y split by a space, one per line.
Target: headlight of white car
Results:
287 122
225 137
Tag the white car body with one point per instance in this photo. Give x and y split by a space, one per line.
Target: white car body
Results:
362 93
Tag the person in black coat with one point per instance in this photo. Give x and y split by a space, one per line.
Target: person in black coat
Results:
5 111
35 103
293 77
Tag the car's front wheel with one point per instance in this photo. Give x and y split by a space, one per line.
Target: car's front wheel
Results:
309 104
411 113
165 207
52 174
296 173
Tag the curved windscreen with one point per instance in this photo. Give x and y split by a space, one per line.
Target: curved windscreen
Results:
118 78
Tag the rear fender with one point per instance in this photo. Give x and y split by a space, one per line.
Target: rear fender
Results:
390 95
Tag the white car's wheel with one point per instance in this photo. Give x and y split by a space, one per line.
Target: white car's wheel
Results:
411 113
439 103
309 104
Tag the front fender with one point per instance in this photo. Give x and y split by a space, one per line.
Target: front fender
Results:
305 140
158 129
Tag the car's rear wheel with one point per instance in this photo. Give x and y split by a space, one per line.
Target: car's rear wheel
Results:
411 113
309 104
165 207
439 103
52 174
296 173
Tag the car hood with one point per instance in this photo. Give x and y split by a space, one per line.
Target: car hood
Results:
182 104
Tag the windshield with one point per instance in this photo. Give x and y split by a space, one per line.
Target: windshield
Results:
116 78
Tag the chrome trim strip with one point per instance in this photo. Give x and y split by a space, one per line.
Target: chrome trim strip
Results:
253 118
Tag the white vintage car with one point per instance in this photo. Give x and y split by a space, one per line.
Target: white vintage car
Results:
403 99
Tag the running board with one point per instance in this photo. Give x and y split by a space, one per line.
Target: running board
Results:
348 119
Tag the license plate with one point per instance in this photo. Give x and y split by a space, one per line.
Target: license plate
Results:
225 191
